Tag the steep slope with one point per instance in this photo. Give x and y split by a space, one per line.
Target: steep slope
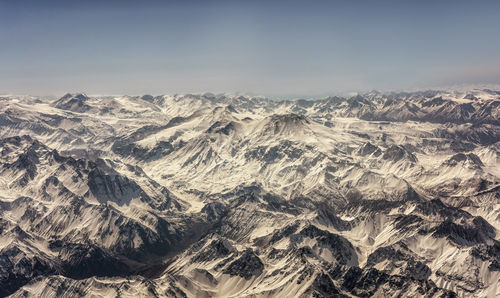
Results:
81 218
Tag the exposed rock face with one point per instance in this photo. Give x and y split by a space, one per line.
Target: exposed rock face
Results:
470 159
74 103
246 266
368 149
397 153
210 195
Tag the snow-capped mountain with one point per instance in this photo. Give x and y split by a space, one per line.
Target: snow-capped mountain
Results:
212 195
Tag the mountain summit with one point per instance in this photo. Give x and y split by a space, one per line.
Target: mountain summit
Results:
73 102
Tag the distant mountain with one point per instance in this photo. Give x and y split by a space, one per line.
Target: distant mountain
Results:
75 103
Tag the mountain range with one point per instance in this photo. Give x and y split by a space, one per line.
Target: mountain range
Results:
215 195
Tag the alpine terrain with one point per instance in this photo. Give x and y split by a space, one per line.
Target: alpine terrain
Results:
215 195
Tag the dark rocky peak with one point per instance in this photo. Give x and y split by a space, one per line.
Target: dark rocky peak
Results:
399 254
231 109
212 248
214 210
455 112
27 159
247 265
66 96
242 98
323 286
327 217
469 159
247 103
368 149
16 140
493 92
410 107
103 165
287 123
254 188
389 102
224 109
85 260
209 95
222 113
429 93
465 109
204 98
357 101
25 150
304 103
396 153
374 93
129 148
467 233
189 95
77 96
106 187
333 100
147 97
218 98
289 118
278 235
341 249
22 143
366 283
437 101
74 103
222 127
471 96
436 208
272 154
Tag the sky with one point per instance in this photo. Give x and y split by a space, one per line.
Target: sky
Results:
270 48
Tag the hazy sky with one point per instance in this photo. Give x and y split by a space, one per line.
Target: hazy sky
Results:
261 47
